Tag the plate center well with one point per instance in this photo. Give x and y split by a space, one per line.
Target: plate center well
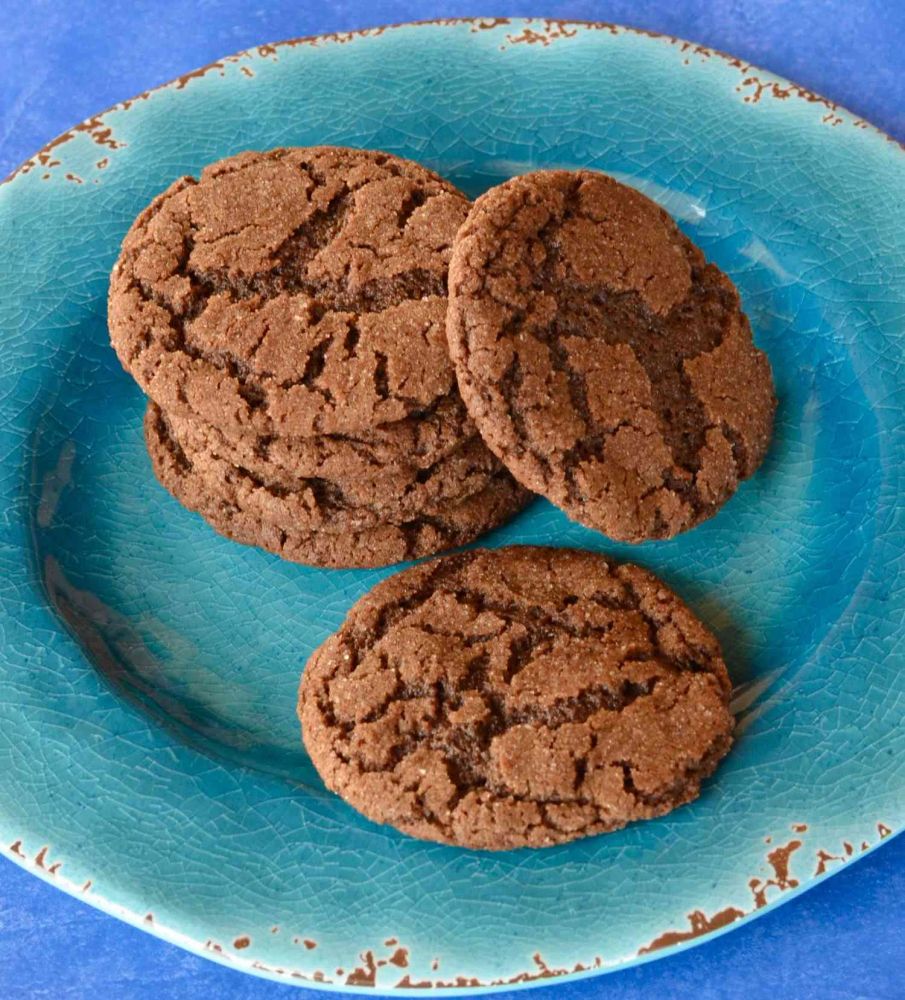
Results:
210 637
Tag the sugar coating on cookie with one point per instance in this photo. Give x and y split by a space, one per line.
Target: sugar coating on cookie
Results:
293 292
604 360
341 496
336 544
516 697
407 447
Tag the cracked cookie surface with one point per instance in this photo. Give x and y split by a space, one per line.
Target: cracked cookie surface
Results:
603 359
424 534
293 292
516 697
377 459
341 495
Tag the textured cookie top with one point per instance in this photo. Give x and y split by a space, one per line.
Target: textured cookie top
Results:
602 358
377 472
514 697
292 292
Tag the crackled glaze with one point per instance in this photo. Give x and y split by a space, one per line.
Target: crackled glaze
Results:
149 757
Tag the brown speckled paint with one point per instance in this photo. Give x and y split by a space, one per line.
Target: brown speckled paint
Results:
486 23
399 957
181 82
365 974
537 31
700 924
778 859
407 983
823 860
545 33
41 861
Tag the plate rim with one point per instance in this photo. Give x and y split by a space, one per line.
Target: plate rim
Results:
792 88
764 80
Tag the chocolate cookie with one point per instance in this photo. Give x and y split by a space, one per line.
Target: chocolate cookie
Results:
516 697
343 496
413 445
424 535
293 292
603 359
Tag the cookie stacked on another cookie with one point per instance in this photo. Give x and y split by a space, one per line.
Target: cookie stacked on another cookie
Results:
286 316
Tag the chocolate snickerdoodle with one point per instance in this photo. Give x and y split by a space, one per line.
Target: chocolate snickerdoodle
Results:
293 292
516 697
339 542
286 315
603 359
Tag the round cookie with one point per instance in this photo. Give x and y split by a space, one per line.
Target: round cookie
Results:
424 535
516 697
342 496
293 292
407 446
603 359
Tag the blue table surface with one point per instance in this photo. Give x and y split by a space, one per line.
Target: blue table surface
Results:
64 60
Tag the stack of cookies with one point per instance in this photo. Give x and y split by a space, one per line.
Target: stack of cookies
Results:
286 316
305 319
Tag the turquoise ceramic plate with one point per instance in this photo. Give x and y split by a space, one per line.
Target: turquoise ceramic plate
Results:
149 754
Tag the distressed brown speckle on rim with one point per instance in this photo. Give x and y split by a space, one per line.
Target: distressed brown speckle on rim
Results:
700 924
366 973
551 30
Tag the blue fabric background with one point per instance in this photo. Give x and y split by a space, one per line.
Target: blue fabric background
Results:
63 61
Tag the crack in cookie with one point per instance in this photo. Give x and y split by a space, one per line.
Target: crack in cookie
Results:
516 697
605 362
296 292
